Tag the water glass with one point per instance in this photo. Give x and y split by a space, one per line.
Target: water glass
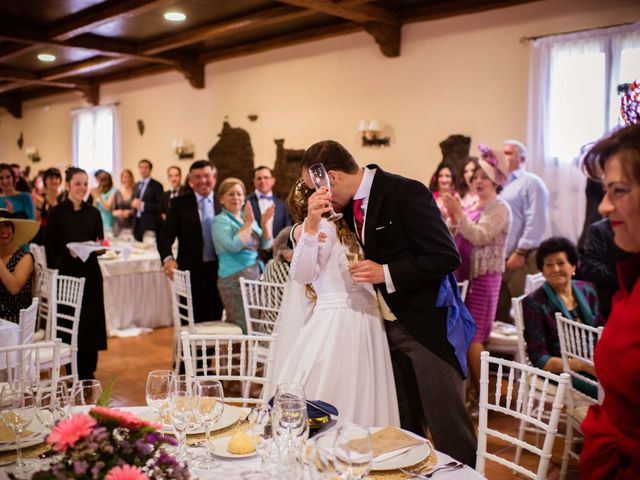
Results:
353 452
320 178
261 431
208 407
180 401
85 393
323 465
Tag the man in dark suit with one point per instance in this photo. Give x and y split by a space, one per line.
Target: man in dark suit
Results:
408 252
263 197
174 177
189 220
146 201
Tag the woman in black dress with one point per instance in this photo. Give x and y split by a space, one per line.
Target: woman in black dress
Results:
73 220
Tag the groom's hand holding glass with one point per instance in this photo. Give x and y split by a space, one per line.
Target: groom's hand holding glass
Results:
367 271
319 203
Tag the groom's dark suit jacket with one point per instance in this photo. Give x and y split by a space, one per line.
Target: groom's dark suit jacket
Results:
404 229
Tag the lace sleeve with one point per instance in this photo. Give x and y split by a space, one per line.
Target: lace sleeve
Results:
311 254
494 220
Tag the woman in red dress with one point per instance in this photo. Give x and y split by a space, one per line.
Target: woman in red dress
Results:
612 430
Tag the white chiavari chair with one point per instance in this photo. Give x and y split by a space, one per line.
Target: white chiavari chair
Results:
261 301
464 287
64 312
515 400
532 282
577 342
27 323
34 363
48 286
183 318
230 358
275 271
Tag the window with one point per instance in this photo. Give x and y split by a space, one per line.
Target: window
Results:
94 138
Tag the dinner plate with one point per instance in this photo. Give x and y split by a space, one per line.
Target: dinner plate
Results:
230 415
410 457
219 448
38 436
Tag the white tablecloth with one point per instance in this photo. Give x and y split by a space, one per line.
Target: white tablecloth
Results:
8 338
137 293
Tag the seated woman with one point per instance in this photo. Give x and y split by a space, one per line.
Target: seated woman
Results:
18 203
557 258
236 238
16 265
277 269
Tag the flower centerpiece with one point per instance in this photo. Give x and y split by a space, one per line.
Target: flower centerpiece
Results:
110 444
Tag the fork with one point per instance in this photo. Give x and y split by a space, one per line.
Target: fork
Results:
433 470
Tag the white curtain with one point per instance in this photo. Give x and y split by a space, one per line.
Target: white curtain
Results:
572 103
95 142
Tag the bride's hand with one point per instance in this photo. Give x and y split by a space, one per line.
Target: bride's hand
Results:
319 203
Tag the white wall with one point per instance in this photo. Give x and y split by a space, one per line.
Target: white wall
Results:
465 74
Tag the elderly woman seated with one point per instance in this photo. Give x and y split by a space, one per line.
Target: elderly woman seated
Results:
16 265
277 269
557 258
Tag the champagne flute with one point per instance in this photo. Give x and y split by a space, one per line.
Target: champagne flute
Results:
353 452
157 393
320 178
17 411
261 431
208 406
353 250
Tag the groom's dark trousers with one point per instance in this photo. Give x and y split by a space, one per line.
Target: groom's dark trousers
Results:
403 229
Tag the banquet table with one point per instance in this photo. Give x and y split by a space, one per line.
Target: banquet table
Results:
137 293
250 468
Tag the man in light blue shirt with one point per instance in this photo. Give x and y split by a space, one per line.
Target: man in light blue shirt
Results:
528 198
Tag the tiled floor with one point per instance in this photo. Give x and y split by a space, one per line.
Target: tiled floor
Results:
128 361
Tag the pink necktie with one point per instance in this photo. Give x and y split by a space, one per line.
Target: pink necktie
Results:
358 216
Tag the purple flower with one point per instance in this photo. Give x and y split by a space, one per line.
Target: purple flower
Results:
144 448
80 467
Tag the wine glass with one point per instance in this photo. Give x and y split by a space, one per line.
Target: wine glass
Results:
157 393
17 411
320 178
180 402
287 391
85 393
208 406
261 431
322 466
353 452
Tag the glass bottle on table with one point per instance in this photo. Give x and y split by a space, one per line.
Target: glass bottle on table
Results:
320 178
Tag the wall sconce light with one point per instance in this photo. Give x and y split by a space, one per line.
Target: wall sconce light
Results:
32 154
184 148
370 131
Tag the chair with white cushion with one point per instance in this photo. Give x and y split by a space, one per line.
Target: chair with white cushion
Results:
183 319
464 287
27 323
261 301
577 342
64 313
230 358
512 397
47 280
507 338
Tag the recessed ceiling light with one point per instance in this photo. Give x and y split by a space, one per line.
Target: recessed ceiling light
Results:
46 57
175 16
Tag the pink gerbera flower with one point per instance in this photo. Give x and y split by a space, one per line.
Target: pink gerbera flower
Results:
126 472
67 432
122 418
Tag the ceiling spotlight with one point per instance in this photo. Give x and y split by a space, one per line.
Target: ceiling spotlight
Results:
46 57
175 16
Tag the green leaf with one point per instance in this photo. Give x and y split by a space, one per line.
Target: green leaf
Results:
105 397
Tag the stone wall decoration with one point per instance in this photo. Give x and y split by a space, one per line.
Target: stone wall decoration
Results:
455 151
286 168
233 155
20 141
140 124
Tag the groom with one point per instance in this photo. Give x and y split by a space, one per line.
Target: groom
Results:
409 250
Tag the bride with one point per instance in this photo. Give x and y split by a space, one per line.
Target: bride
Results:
340 355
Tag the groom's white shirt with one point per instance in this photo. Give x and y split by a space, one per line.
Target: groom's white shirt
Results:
363 193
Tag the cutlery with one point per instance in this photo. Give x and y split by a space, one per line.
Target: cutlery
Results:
426 473
444 469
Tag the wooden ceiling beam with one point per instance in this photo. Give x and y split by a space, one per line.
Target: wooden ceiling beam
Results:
349 11
435 11
20 78
13 104
100 14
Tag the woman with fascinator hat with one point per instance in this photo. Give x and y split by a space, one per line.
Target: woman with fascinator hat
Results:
480 232
16 264
331 337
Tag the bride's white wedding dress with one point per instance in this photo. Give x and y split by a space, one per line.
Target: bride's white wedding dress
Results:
341 354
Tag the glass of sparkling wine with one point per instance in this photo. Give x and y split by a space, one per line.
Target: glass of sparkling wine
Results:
352 249
320 178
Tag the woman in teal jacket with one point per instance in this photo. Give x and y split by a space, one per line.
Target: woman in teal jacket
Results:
237 238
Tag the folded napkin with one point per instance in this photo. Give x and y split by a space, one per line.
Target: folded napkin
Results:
83 250
391 442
